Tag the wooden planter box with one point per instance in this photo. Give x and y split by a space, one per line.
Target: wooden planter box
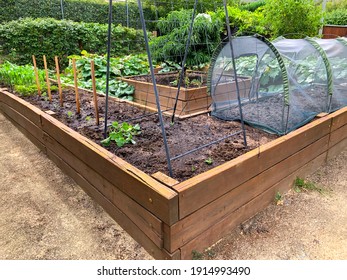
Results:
333 31
190 101
171 219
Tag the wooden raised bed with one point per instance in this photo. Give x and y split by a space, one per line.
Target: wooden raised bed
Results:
334 31
190 101
171 219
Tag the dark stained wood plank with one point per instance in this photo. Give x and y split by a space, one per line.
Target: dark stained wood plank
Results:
164 179
146 221
230 222
338 135
22 121
336 149
155 197
204 188
113 211
339 118
187 229
31 112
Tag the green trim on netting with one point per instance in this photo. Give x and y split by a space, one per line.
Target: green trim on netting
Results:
326 63
278 39
342 40
282 67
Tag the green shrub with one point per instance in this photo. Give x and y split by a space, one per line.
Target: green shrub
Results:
252 6
336 4
82 10
293 18
21 39
174 29
245 22
336 17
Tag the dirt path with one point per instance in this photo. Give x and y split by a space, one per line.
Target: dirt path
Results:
45 215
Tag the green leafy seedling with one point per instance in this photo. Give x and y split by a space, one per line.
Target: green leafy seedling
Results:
69 114
209 161
121 134
88 118
278 198
303 185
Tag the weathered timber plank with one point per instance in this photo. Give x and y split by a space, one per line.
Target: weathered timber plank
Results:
146 221
200 190
191 226
164 179
122 219
23 129
230 222
22 121
339 118
155 197
185 94
31 112
336 149
338 135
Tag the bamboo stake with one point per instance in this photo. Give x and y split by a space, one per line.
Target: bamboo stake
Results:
47 79
76 86
95 97
37 76
58 80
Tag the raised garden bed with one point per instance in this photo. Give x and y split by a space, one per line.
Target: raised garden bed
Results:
334 31
192 99
171 219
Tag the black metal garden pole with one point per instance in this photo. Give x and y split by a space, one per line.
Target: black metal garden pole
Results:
160 115
235 72
108 63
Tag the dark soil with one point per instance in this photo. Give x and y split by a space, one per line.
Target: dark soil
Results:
148 154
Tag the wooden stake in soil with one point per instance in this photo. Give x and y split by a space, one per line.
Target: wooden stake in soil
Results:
47 79
36 76
76 86
95 97
58 80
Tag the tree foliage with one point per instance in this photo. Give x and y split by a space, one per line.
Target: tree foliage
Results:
293 18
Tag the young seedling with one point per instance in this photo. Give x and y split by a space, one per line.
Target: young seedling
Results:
209 161
88 118
121 134
303 185
69 114
278 199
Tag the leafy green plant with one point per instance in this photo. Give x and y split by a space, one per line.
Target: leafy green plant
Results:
128 65
301 184
122 133
76 10
174 29
197 255
278 198
292 18
70 114
21 39
209 161
336 17
21 78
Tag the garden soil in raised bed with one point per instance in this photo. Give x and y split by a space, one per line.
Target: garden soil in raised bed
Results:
148 154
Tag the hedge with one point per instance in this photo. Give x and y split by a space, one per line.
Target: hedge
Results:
87 11
21 39
336 17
